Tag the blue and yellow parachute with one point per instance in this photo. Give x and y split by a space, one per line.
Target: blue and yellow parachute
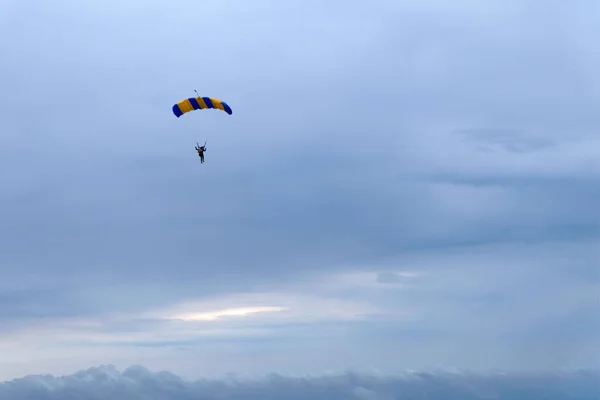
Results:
199 103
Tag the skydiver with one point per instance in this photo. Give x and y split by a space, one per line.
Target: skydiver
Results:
201 150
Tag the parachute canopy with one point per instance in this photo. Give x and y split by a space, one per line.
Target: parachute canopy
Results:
199 103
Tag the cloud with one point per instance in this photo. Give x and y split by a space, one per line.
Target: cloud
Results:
511 307
137 382
508 140
225 313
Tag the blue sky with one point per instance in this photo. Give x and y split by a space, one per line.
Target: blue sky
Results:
402 184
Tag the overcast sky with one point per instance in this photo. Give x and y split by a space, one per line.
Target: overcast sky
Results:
402 184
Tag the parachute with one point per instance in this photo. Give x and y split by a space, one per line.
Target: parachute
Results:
199 103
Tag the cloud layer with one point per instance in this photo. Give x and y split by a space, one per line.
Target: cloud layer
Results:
136 382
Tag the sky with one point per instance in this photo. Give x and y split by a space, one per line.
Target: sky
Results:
402 185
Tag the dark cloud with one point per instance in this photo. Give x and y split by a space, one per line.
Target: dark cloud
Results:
137 382
508 140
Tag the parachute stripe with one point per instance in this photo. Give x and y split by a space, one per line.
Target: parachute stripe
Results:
186 106
209 103
194 103
177 111
226 108
201 102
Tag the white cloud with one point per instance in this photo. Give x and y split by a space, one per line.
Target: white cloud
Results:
229 312
231 317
